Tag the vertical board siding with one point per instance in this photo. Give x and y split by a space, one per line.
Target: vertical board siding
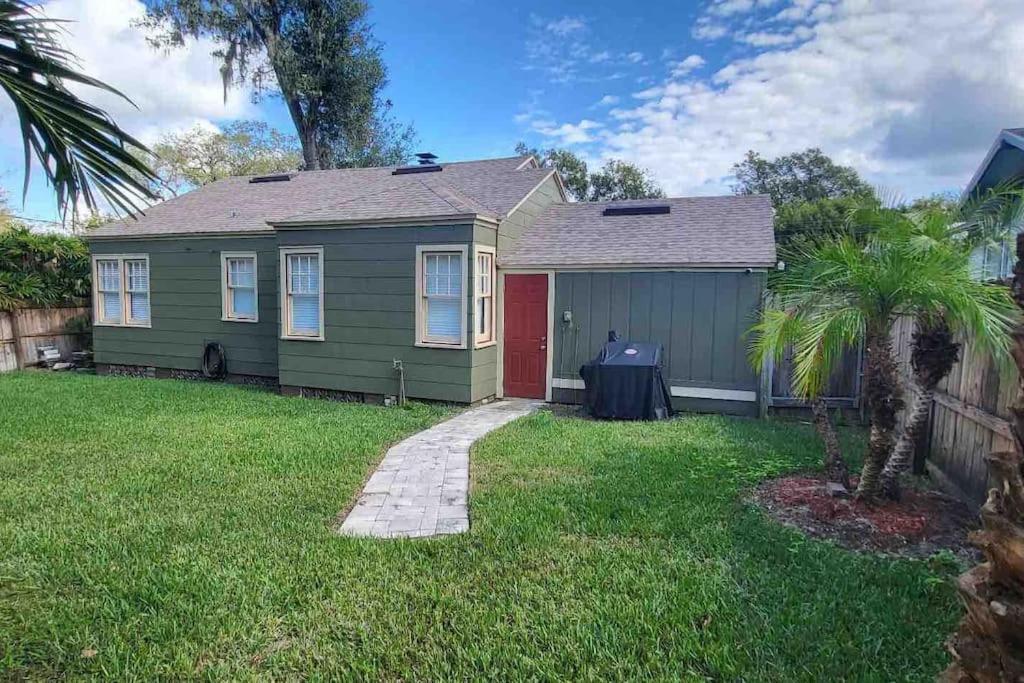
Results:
970 413
376 318
185 298
699 318
37 327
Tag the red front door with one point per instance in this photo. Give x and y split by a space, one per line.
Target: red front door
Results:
526 330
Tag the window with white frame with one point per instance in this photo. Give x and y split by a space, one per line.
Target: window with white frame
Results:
483 331
238 281
441 296
303 303
121 290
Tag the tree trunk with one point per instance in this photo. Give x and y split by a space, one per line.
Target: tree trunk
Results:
989 644
903 452
933 355
304 120
835 466
882 393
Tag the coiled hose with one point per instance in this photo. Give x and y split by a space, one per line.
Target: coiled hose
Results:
215 362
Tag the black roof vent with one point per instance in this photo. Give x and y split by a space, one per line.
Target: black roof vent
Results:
402 170
278 178
425 164
636 209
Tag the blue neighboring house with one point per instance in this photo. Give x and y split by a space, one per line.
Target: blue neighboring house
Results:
1004 162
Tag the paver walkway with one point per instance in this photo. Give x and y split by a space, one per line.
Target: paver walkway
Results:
421 486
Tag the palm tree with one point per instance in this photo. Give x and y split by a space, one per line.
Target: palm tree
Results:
81 150
772 334
848 289
985 217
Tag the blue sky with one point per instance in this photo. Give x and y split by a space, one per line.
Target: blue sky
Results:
910 92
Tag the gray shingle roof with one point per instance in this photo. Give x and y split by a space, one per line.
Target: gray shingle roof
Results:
698 231
489 188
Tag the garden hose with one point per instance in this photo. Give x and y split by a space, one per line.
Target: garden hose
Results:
215 363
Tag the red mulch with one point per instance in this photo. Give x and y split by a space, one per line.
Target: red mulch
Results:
921 523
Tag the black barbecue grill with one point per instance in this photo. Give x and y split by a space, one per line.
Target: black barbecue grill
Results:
625 382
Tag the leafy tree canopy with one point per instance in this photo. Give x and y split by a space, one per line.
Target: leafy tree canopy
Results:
200 156
616 179
621 180
319 58
812 194
799 177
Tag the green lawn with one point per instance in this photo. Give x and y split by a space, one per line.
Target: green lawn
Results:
153 528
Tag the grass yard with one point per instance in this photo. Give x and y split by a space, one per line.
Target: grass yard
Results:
169 529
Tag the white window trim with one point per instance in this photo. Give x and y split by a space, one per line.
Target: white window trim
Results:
492 338
125 319
225 291
421 339
285 304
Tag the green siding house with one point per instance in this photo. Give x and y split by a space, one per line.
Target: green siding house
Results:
479 277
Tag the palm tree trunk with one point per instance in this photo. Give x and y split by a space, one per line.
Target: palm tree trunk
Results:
903 452
988 645
934 353
835 466
882 392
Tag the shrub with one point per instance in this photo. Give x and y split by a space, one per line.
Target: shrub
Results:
39 269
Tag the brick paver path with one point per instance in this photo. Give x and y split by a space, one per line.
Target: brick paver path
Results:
421 486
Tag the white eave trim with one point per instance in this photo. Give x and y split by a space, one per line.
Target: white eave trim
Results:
717 267
558 182
180 235
464 218
680 392
1006 137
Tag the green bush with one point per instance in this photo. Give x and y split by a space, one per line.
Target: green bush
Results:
39 269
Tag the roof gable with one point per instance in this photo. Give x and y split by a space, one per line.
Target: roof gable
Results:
1004 161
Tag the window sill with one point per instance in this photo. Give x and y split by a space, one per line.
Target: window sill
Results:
296 337
441 345
485 344
142 326
239 320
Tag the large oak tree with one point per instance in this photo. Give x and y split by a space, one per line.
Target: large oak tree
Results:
318 56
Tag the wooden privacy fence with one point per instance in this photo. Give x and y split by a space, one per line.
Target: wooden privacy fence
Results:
843 389
24 330
968 418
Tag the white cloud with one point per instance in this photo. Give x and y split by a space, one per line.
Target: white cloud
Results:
172 91
910 92
680 69
705 29
569 133
607 101
768 39
726 8
566 25
602 56
635 57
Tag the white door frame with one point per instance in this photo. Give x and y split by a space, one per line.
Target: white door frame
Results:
500 321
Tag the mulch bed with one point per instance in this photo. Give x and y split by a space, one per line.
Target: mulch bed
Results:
918 525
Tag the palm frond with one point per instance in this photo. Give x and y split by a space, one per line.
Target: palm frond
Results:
82 151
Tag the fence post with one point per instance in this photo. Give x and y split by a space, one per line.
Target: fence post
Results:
765 395
19 361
